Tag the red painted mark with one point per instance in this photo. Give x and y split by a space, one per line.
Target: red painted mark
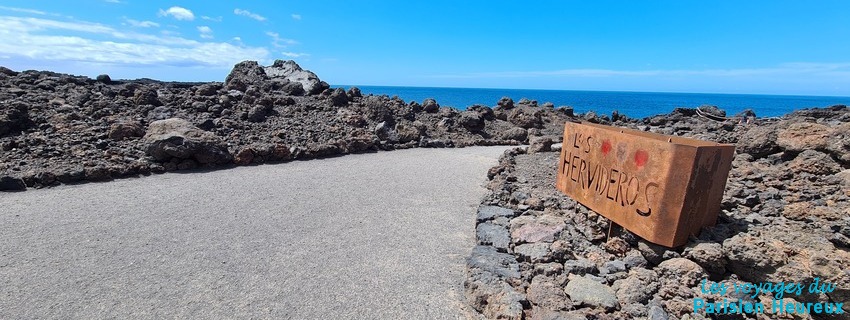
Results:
641 157
606 147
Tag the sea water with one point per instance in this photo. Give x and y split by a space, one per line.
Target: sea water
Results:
632 104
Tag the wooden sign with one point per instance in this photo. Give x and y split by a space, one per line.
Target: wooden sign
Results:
662 188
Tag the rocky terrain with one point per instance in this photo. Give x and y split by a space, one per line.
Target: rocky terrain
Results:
57 128
540 255
785 218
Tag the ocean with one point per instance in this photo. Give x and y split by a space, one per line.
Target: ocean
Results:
632 104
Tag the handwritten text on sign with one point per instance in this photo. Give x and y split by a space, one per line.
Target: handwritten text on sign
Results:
614 183
662 188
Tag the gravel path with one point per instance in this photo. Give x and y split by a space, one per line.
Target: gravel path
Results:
376 236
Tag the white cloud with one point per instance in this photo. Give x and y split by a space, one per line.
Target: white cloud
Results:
113 1
787 69
84 42
178 13
249 14
296 16
206 32
279 42
237 39
208 18
169 33
141 24
294 54
23 10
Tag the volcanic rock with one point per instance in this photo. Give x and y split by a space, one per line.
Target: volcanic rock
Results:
803 136
124 130
8 183
292 72
585 291
177 138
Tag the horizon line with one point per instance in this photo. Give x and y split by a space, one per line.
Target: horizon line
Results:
599 90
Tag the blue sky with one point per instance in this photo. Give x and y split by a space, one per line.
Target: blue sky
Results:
772 47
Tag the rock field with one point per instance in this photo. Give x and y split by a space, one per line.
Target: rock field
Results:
785 218
540 255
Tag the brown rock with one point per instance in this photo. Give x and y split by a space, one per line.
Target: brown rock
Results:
751 257
803 136
524 118
177 138
124 130
839 144
682 270
547 294
758 141
540 144
708 255
814 162
535 232
244 157
280 152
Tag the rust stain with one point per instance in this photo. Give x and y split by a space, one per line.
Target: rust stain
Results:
606 147
641 156
664 200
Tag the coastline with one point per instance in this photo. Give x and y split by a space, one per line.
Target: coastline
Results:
537 250
60 128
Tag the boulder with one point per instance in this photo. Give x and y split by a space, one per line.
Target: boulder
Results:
566 110
244 156
638 287
243 75
471 120
527 102
584 291
492 296
209 89
494 235
8 72
708 255
8 183
534 252
430 105
484 111
814 162
407 133
540 144
546 293
525 118
354 92
713 111
488 259
177 138
758 141
293 89
839 144
259 113
505 103
580 266
146 96
804 136
14 119
125 130
536 232
515 133
682 270
751 258
292 72
104 78
339 97
491 212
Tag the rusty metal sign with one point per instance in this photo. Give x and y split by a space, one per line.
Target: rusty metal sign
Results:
662 188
